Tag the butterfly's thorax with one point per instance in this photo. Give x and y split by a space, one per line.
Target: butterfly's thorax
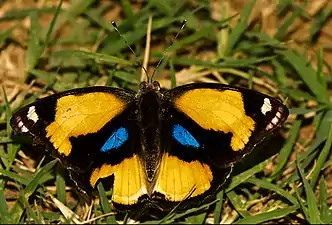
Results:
150 123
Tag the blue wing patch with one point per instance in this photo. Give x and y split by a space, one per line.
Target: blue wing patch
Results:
117 139
184 137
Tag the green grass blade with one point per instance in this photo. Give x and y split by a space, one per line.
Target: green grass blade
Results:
240 27
4 213
286 150
97 57
38 178
323 156
20 205
8 112
47 77
313 212
296 94
31 215
14 176
226 63
189 212
320 65
325 212
321 20
197 219
34 48
243 177
318 118
105 204
223 34
302 111
321 135
60 185
52 26
307 73
135 36
218 208
22 13
95 15
127 8
4 36
282 31
204 32
273 188
280 72
11 154
76 8
169 8
172 72
238 204
302 204
267 216
307 157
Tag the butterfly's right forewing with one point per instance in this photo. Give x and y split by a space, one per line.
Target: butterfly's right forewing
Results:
94 133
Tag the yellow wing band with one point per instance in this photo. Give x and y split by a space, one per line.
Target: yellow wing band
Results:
219 111
129 182
80 115
178 178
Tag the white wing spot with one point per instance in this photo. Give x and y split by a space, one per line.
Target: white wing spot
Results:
275 120
23 128
269 126
266 107
278 115
32 115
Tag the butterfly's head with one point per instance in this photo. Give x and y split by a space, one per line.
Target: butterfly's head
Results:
149 86
149 94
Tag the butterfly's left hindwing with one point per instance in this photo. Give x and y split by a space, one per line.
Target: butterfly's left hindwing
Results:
92 132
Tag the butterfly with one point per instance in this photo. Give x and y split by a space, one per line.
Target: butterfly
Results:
161 148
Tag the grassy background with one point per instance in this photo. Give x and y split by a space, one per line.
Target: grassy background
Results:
281 49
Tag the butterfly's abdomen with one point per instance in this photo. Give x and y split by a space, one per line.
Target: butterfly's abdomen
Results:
149 119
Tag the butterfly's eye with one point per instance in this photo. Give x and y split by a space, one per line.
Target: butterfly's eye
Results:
143 85
156 85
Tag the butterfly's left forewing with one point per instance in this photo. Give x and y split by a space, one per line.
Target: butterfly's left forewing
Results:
205 129
228 121
93 132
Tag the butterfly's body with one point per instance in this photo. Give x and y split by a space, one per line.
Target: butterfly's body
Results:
162 148
149 123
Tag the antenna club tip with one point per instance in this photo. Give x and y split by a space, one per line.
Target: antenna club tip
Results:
114 24
184 21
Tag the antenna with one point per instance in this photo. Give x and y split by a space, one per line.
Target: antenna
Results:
125 40
173 40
